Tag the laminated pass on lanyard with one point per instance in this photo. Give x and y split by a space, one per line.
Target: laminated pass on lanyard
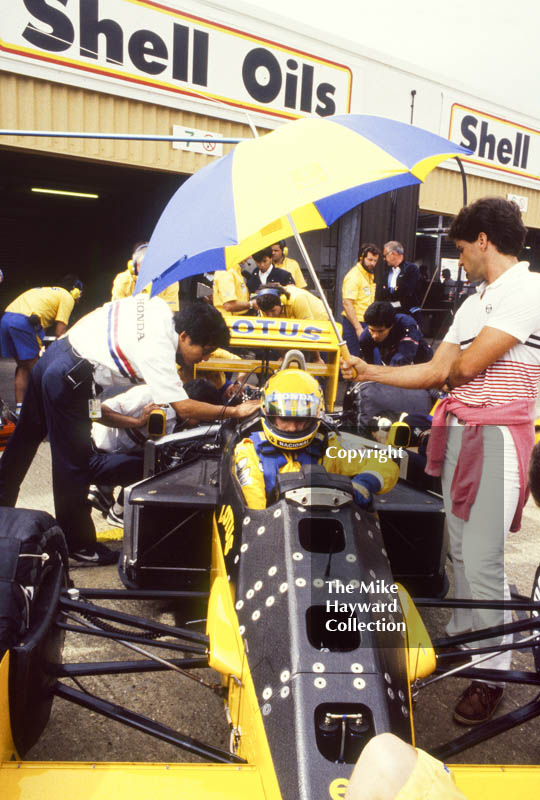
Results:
94 404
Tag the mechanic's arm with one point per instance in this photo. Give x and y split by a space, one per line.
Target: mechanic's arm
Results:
60 329
234 306
407 347
206 412
489 345
350 313
430 375
114 419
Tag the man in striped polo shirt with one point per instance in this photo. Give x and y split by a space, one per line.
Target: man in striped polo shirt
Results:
483 433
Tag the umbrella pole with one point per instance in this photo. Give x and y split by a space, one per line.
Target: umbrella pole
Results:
312 272
309 265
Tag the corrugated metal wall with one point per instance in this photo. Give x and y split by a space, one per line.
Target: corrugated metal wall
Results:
32 104
442 193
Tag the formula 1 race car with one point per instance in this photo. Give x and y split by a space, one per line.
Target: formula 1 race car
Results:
317 644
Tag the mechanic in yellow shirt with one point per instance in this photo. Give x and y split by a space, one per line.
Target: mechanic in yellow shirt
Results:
231 295
124 282
23 325
290 301
358 292
282 260
292 436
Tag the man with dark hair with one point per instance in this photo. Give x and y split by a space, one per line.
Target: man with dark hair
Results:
358 292
22 328
483 433
280 257
291 302
402 283
499 219
265 272
137 339
391 338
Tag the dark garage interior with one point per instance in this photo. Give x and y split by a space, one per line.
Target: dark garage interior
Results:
45 236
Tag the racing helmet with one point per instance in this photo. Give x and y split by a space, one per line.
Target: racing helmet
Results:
291 393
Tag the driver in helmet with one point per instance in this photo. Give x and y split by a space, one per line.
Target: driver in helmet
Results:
292 436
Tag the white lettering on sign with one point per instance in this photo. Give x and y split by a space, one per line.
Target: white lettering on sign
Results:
143 43
497 143
210 148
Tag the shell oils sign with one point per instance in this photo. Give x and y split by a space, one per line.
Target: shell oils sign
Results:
152 46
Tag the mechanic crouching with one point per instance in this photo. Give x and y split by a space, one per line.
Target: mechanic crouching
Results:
391 338
294 435
138 339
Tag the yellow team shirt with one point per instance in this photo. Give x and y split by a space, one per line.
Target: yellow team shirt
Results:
293 267
229 285
50 303
251 477
214 376
124 284
359 286
303 305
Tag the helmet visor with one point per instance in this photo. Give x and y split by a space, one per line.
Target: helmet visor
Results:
292 404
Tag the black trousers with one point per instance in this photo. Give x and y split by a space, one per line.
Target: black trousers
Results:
52 406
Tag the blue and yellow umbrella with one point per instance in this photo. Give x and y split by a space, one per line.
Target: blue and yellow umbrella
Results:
314 170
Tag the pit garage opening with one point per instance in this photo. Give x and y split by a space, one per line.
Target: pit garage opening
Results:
43 236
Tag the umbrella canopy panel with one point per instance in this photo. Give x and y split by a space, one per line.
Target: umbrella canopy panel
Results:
313 169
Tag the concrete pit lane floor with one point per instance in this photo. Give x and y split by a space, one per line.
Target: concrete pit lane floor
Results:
74 733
